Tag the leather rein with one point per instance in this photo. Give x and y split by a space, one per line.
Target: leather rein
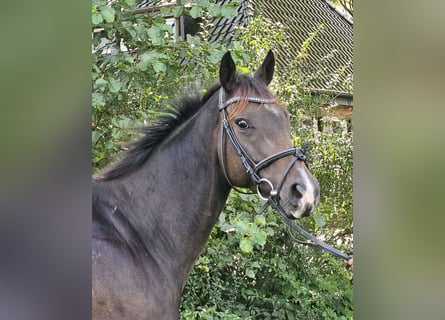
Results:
253 169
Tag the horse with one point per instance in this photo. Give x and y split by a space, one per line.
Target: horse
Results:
153 210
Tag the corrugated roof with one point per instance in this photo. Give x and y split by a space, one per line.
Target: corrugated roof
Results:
151 3
222 29
332 47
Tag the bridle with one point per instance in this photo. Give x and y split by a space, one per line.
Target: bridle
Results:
253 169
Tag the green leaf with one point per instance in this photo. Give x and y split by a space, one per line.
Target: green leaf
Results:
196 12
124 122
159 66
177 11
142 65
225 227
159 21
115 85
99 83
95 136
147 56
97 18
108 13
242 227
155 33
260 238
98 100
243 69
246 245
214 10
116 133
270 231
319 220
129 58
260 220
250 273
229 11
215 56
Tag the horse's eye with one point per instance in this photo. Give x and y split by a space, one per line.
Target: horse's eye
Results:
242 123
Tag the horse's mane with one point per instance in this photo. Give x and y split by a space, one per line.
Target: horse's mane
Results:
171 117
177 113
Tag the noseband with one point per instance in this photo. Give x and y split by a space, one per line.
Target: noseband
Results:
254 168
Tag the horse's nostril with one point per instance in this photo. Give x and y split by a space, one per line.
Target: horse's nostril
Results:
298 190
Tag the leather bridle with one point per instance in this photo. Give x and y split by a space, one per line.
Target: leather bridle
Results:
253 169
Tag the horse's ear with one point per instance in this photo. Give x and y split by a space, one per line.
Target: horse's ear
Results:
265 71
227 72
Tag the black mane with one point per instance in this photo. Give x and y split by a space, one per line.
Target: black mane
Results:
141 149
173 116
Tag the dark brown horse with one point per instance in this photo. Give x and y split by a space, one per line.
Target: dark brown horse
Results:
153 211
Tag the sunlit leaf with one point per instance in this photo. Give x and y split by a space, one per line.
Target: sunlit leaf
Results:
195 12
115 85
108 13
246 245
97 18
229 11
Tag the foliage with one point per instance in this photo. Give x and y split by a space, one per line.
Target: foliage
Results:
269 278
139 64
251 267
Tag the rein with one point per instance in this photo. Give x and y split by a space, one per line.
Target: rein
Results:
254 168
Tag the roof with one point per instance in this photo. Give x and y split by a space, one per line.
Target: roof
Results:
223 29
331 49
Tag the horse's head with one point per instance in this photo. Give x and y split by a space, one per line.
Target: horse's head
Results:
260 154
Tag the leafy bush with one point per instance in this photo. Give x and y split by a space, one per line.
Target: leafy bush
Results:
252 269
138 66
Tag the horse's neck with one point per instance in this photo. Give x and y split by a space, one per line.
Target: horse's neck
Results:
175 198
